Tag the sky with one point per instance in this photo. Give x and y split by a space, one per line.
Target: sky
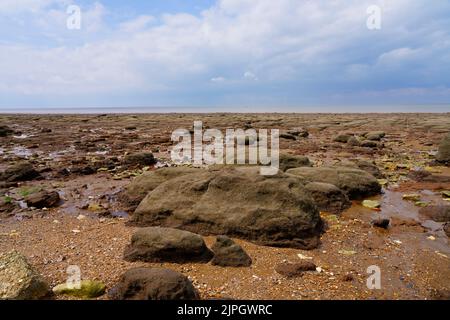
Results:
224 53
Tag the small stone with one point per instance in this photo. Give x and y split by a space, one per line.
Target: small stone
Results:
381 223
348 277
371 204
86 289
411 197
369 144
229 254
291 270
347 252
342 138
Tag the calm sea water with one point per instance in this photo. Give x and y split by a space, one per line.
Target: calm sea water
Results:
305 109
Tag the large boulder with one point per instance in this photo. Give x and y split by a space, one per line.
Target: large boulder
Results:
22 171
153 284
443 154
155 244
19 280
289 161
43 199
229 254
355 183
136 191
328 197
236 201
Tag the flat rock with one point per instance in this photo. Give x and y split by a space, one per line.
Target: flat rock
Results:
153 284
87 289
236 201
353 141
328 197
425 176
19 280
342 138
375 135
229 254
369 144
299 132
139 159
355 183
22 171
439 213
364 165
136 191
297 269
289 161
155 244
43 199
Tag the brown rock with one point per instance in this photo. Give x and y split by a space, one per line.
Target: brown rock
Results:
22 171
236 201
229 254
437 213
328 197
19 280
43 199
291 270
153 284
155 244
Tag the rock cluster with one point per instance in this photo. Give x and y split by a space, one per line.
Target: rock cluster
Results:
236 201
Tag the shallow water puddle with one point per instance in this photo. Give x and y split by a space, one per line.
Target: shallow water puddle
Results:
59 155
23 136
22 152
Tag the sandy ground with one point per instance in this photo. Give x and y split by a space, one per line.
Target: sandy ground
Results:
413 255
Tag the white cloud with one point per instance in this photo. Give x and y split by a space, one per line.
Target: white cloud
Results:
137 24
250 75
313 43
16 6
218 79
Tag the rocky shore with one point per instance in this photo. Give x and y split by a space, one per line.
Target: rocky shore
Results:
97 198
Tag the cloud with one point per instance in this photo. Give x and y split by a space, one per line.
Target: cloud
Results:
137 24
299 51
218 79
20 6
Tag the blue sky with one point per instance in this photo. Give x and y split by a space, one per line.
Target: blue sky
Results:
224 53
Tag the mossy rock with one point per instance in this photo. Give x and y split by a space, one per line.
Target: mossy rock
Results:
88 289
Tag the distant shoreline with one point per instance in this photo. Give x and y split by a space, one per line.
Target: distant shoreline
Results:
411 109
